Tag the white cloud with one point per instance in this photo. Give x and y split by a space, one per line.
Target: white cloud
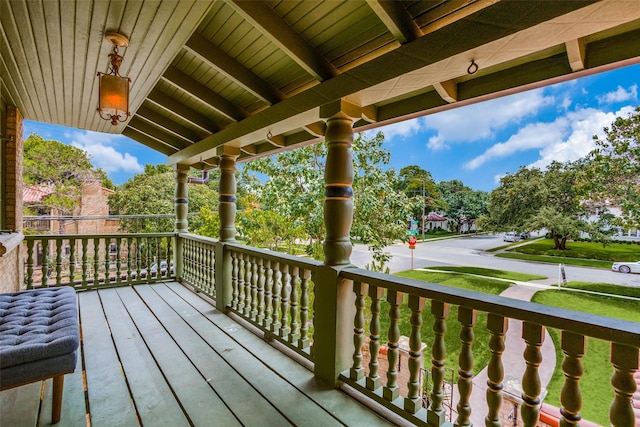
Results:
533 135
584 124
103 154
568 138
401 129
480 121
619 95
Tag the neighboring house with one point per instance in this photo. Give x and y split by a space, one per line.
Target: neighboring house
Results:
621 233
433 221
90 216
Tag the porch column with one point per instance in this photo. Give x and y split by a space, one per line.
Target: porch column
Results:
181 202
227 212
227 198
181 199
334 305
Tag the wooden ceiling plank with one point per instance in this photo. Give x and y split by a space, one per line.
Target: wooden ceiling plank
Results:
12 77
152 129
199 91
178 19
395 17
82 74
56 53
43 57
168 124
273 27
25 31
149 141
94 56
233 69
171 105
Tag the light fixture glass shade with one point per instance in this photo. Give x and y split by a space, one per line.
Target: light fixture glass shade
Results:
113 97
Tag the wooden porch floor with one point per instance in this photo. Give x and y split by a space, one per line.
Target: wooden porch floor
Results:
159 355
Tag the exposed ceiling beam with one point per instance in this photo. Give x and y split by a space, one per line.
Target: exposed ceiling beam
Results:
449 13
220 60
395 17
199 91
169 125
151 129
447 90
282 35
149 141
171 105
577 53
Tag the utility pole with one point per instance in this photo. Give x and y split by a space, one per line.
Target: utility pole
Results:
423 206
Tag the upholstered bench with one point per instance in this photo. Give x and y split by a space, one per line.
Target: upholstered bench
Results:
39 338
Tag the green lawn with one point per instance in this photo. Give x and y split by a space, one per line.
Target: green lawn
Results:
596 363
557 260
583 250
452 337
490 272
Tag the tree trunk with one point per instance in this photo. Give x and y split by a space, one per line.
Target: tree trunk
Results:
556 241
563 244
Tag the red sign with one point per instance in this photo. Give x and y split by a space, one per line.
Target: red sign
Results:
412 242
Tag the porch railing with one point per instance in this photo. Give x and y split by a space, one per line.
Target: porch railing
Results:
370 289
85 261
311 308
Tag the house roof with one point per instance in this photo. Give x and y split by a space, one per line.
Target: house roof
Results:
251 77
435 217
33 194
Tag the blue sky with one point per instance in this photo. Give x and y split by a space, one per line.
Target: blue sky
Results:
476 144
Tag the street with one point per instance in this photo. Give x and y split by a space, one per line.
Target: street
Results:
469 251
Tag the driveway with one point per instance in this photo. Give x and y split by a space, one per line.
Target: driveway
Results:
470 251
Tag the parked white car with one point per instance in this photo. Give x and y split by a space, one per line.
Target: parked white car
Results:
626 267
511 237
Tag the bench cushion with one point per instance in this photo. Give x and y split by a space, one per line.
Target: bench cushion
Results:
37 325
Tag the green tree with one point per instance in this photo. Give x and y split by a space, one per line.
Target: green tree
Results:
294 188
152 193
418 184
532 199
380 210
462 205
61 167
612 172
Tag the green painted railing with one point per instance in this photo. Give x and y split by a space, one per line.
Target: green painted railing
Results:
198 262
274 292
370 289
85 261
332 316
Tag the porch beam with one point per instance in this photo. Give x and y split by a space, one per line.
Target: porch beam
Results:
395 17
149 141
282 35
169 124
194 88
232 69
187 114
151 129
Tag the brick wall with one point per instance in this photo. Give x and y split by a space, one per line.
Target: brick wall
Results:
12 170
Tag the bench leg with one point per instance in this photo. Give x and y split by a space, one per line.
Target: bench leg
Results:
58 385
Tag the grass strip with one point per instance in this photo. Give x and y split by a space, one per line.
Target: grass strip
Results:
557 260
490 272
583 250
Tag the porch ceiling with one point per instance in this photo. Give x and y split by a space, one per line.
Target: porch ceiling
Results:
252 75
